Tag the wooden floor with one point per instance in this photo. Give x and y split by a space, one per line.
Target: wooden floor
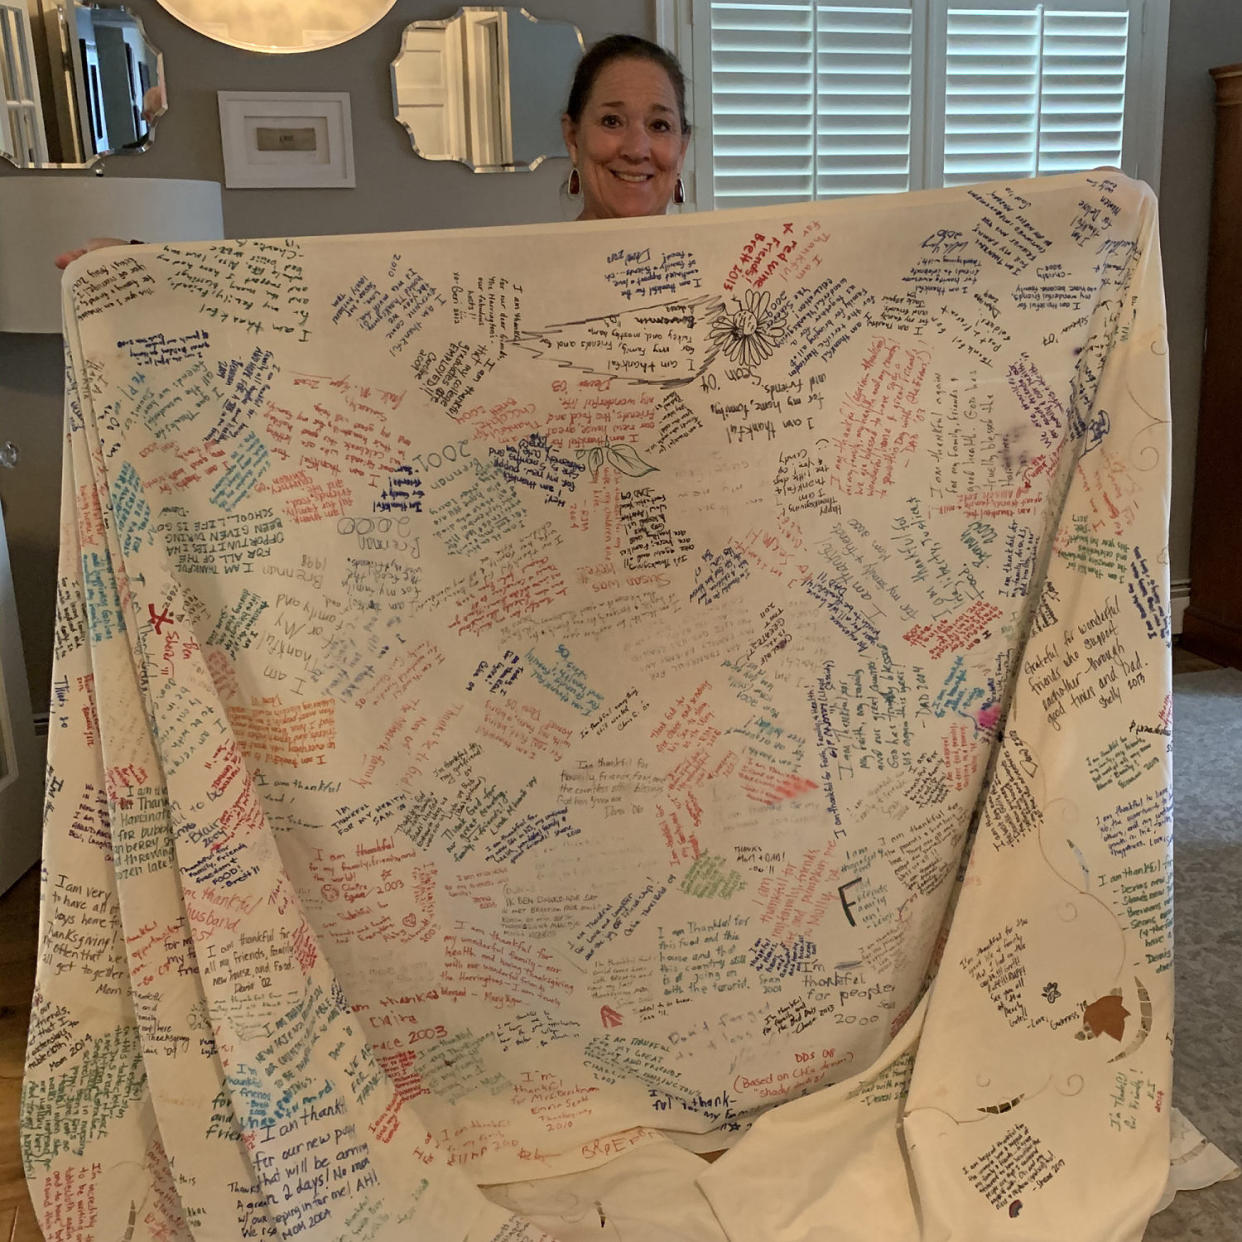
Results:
19 914
19 909
1187 662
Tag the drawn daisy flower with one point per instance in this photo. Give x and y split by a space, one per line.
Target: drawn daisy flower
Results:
752 332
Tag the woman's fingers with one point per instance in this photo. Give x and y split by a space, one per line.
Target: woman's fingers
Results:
95 243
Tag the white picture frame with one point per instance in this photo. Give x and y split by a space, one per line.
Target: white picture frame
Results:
281 140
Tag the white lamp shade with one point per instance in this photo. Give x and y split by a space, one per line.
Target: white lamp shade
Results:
41 217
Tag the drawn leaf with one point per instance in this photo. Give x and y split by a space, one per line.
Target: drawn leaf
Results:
1145 1022
626 459
595 459
1107 1016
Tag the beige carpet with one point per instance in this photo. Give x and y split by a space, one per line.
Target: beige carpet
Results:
1207 835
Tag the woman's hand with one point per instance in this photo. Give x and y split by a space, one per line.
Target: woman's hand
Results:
95 243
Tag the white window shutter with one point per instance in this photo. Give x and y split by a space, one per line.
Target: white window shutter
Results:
812 100
991 94
1034 89
762 93
1083 92
866 63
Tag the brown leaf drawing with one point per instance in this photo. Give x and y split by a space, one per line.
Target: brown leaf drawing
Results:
1107 1016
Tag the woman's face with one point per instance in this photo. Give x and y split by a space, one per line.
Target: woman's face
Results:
628 145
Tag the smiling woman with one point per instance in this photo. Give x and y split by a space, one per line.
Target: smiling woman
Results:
625 129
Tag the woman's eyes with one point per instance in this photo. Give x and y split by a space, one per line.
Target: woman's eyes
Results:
611 120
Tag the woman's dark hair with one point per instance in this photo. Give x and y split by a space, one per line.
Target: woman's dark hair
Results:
622 47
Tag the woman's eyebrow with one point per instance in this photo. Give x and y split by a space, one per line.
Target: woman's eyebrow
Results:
620 103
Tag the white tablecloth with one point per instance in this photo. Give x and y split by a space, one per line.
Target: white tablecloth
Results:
535 703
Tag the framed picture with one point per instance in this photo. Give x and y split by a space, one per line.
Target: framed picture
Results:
286 140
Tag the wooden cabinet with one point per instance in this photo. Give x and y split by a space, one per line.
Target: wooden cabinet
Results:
1212 625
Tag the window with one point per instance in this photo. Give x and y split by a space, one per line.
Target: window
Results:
795 99
22 138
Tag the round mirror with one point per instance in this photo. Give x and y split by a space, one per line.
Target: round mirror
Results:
78 81
486 87
279 25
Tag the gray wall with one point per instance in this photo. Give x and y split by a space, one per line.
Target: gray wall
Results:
396 191
1202 34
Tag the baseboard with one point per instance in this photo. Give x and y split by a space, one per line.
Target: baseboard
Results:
1213 638
1179 597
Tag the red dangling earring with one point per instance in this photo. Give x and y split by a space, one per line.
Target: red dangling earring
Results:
679 191
575 182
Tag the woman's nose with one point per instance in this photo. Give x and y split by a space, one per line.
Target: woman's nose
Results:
636 142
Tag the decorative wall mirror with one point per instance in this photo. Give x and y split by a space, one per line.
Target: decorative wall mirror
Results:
279 25
77 82
486 87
